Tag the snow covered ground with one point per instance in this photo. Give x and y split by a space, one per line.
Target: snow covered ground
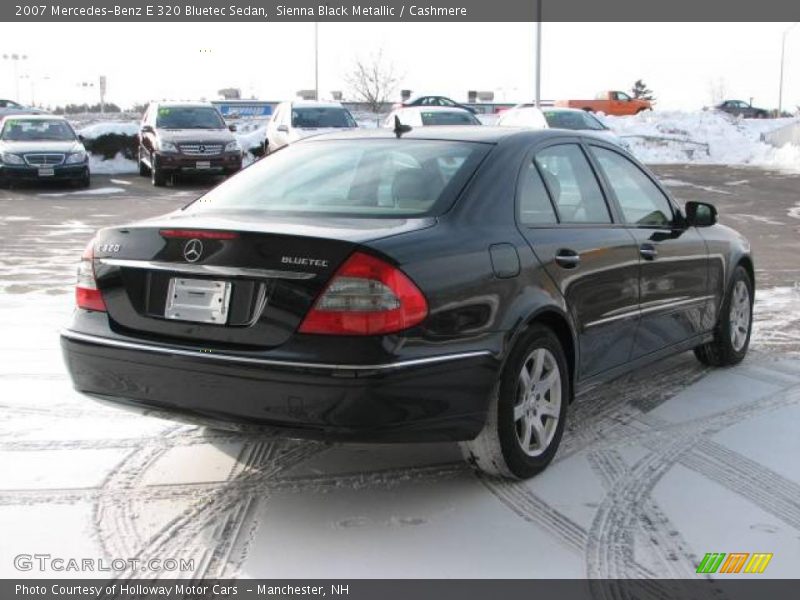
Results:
655 470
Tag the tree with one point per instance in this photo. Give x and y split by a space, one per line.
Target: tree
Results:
639 90
372 81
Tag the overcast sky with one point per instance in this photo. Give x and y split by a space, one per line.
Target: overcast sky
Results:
681 62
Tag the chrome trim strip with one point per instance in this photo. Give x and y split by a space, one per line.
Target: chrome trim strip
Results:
414 362
208 270
647 309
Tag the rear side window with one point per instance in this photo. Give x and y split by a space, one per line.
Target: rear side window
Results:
376 178
534 202
572 184
446 117
641 201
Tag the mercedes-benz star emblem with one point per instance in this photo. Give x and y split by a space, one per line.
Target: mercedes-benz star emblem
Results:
193 250
202 149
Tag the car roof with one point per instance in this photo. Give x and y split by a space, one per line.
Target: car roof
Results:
316 103
34 117
454 133
177 104
431 109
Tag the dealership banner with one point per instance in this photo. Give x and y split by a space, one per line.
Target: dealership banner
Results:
400 589
400 10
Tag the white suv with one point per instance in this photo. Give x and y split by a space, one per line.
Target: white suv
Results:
294 121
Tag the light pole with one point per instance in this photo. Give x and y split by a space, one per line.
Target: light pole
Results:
316 60
15 58
538 53
783 57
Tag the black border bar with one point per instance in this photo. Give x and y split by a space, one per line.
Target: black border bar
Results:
400 11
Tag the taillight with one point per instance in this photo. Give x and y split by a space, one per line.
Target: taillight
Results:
86 293
366 296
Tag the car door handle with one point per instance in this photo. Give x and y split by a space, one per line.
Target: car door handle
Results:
648 251
569 259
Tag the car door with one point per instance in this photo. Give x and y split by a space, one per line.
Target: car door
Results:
593 260
673 271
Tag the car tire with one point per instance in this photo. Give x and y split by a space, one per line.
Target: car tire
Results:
143 170
157 176
500 448
732 334
84 181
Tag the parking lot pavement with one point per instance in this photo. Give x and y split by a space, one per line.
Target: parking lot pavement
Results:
656 468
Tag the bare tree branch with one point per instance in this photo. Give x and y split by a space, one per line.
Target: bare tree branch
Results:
372 80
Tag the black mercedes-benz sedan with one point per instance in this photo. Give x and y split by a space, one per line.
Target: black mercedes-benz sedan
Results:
442 284
41 148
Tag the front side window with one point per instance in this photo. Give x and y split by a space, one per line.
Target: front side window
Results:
321 116
31 130
369 178
188 117
572 184
641 201
623 96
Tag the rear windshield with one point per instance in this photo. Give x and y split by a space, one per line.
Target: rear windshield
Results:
321 116
32 130
562 119
448 117
189 117
391 178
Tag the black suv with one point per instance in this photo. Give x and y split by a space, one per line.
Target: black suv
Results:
186 138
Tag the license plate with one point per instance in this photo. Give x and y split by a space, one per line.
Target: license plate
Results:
198 300
46 172
203 164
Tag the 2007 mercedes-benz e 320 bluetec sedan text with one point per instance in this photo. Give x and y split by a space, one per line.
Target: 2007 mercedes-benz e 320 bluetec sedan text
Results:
445 284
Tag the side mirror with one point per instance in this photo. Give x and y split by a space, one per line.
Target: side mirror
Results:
81 139
700 214
148 129
283 129
232 128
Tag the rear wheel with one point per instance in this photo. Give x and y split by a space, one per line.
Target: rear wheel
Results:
526 417
732 336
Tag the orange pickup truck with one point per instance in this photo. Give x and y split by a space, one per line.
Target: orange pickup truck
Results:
610 103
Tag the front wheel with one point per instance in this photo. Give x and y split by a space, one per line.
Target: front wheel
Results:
732 336
526 417
157 176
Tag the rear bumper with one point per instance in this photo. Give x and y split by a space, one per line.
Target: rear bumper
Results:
438 398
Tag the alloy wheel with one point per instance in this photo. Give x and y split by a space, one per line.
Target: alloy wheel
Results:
740 315
538 402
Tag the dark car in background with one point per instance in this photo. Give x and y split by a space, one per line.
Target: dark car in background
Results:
41 148
186 138
428 101
9 107
740 108
437 284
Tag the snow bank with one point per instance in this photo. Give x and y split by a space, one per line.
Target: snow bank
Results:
91 132
113 166
704 137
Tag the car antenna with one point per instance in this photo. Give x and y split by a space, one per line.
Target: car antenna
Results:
399 128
